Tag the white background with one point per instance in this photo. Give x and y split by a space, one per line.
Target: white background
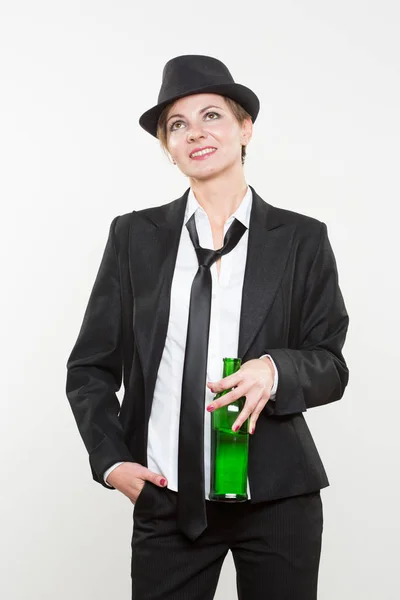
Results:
75 77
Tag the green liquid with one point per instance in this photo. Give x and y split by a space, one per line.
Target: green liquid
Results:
229 456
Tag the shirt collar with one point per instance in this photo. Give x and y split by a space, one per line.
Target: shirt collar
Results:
242 213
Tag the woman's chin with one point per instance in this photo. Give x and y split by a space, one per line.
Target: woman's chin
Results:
207 172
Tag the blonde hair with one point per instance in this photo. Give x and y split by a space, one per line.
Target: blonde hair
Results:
237 109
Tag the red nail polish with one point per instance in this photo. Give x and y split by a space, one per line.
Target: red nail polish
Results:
210 408
162 481
236 428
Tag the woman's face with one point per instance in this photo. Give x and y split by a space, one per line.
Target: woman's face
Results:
204 122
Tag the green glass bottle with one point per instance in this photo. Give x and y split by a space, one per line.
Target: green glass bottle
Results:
229 449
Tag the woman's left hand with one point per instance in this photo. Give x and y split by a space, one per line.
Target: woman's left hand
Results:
254 380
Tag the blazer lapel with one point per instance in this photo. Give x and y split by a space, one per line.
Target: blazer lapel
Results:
153 249
269 244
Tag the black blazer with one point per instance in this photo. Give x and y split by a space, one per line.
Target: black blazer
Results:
292 308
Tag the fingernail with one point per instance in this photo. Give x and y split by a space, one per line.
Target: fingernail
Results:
210 408
162 481
236 428
252 430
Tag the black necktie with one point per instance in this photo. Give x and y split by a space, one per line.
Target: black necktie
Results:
192 518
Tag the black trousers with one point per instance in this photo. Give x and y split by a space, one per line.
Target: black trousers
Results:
276 547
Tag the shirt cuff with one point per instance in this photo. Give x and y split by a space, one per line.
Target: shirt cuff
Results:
106 473
275 385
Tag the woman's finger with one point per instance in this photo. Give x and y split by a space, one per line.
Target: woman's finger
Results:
255 414
249 406
231 396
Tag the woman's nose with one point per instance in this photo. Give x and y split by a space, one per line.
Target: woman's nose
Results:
195 132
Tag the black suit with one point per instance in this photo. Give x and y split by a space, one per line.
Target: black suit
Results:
292 309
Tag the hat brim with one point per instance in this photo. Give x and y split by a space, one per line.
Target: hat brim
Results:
240 93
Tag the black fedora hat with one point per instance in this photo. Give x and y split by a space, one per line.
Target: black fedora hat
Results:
197 74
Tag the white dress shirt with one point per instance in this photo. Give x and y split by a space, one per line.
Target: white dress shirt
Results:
163 433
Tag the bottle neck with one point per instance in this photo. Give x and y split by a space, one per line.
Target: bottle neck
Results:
231 365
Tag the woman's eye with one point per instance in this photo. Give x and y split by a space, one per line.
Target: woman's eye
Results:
175 123
212 113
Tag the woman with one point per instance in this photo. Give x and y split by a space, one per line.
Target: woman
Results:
164 310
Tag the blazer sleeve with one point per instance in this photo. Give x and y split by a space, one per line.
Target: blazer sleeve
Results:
316 373
94 368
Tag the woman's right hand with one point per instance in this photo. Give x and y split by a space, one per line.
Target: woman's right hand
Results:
129 479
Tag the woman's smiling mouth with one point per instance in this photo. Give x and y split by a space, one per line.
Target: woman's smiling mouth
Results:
202 153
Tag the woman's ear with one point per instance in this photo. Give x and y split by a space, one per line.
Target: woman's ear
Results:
170 157
247 131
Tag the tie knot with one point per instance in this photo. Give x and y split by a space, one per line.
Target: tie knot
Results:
206 256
